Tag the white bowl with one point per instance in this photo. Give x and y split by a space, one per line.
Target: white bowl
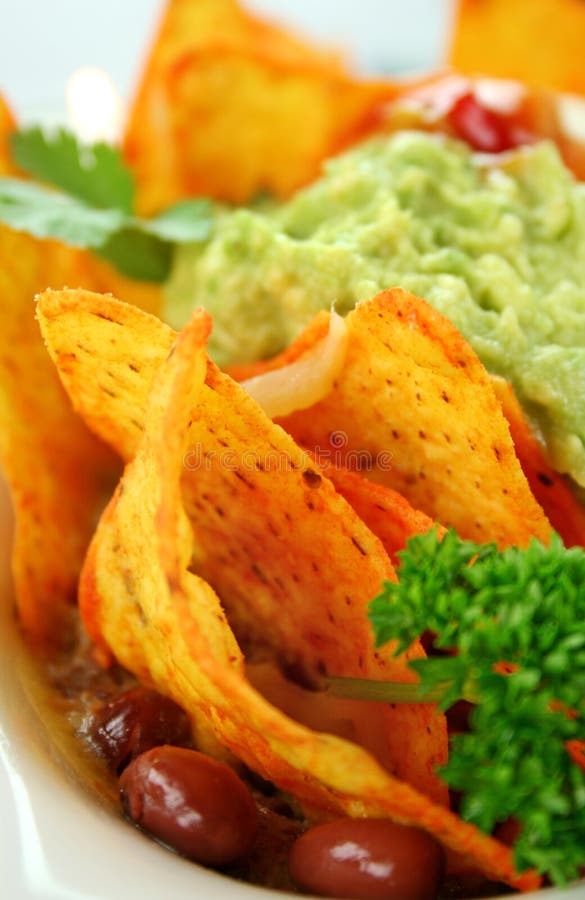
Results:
59 839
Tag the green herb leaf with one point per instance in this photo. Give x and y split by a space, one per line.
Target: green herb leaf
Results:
96 175
189 221
525 608
138 254
44 213
91 205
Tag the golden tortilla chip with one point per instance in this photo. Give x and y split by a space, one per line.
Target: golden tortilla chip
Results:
166 623
293 564
222 94
7 126
551 489
415 404
57 472
496 37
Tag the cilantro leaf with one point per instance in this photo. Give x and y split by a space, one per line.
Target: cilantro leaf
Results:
44 213
96 175
87 199
185 222
138 254
525 608
139 248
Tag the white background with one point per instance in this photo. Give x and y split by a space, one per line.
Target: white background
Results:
43 41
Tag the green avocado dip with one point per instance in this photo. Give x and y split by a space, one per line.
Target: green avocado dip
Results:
496 244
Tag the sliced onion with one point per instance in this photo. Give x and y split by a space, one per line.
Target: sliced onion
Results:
305 381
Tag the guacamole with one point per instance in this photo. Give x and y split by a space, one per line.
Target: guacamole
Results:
498 247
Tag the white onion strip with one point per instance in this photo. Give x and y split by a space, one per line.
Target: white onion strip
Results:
307 380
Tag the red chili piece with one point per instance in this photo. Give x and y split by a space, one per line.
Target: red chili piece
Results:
135 721
194 804
484 129
367 859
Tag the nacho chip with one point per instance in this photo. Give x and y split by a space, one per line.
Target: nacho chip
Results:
166 623
293 564
221 96
305 343
388 514
496 37
7 125
551 489
416 407
57 472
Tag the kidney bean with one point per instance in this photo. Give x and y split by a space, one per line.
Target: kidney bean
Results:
191 802
367 859
135 721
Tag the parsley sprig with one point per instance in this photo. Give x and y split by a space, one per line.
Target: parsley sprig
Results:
84 196
514 622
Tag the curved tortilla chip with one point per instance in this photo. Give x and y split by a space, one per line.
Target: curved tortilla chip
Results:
415 405
496 37
165 622
551 489
221 96
388 514
7 126
294 565
58 473
306 341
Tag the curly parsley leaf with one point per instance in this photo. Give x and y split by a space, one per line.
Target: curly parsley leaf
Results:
86 200
515 623
96 174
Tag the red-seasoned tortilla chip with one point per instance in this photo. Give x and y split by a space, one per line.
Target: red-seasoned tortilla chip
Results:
388 514
414 400
166 623
551 489
294 565
58 473
307 340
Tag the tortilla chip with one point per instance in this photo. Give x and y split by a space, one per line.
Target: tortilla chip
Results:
496 37
551 489
102 277
388 514
221 96
306 341
416 407
166 623
294 565
7 126
57 472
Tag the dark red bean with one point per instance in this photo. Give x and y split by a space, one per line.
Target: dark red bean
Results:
458 717
367 859
192 803
135 721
